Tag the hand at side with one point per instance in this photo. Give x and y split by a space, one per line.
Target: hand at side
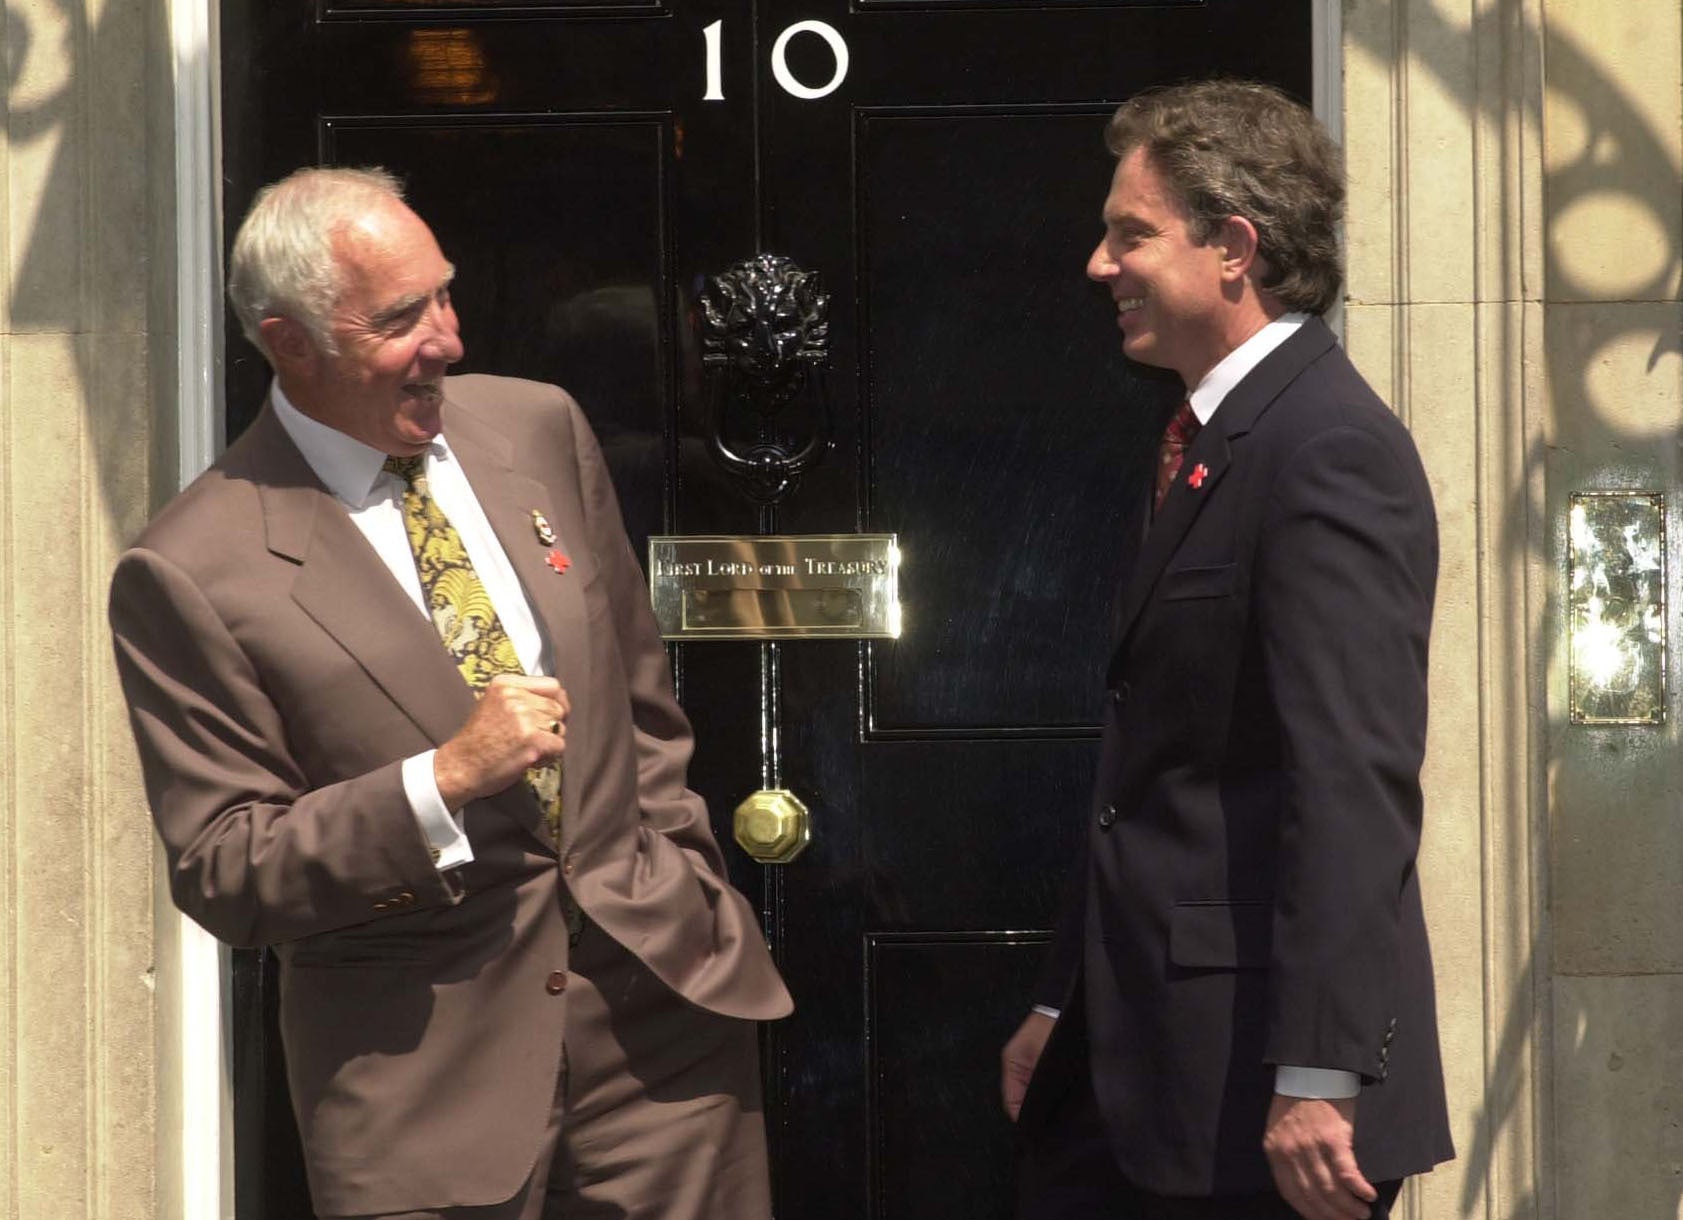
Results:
1017 1060
1309 1142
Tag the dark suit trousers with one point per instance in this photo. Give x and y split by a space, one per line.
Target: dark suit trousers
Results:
1066 1171
657 1113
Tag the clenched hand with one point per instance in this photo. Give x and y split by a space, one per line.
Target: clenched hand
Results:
519 722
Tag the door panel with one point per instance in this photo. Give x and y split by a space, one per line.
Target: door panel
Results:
948 191
922 1071
984 444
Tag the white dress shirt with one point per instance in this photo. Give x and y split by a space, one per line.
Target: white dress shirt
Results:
1205 398
353 472
1234 367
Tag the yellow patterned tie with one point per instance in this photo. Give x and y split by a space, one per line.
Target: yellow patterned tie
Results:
461 610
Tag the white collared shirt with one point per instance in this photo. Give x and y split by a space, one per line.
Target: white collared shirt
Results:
353 472
1234 367
1209 393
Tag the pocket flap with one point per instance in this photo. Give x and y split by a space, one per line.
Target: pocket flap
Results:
1217 580
1221 935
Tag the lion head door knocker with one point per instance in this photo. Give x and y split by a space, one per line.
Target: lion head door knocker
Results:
765 336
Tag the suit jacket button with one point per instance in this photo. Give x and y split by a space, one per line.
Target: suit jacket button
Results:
380 906
1107 817
1119 695
567 864
557 982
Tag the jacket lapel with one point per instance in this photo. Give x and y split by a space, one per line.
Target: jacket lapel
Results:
1133 541
1213 448
1181 507
344 587
509 498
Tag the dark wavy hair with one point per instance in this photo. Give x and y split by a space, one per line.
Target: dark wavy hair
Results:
1243 148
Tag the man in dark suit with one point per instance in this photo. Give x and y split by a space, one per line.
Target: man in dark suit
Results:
1237 1019
405 716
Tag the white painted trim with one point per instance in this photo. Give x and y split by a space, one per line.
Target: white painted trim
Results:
1326 37
198 236
206 1133
206 1146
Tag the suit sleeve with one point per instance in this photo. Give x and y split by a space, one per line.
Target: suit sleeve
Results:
1343 598
254 855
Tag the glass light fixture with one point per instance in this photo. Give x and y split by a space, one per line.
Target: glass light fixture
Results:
1616 607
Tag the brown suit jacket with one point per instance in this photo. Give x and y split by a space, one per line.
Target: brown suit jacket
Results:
277 676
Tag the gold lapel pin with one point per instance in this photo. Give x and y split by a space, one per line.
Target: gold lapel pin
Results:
540 523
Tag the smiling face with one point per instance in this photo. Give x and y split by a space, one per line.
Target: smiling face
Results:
395 330
1174 296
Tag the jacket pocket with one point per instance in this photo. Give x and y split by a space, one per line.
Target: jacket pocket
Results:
1221 935
1217 580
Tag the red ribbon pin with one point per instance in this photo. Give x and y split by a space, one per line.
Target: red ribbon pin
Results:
1195 480
558 561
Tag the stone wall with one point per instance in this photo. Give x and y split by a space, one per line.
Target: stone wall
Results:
1442 102
79 337
1613 339
1516 240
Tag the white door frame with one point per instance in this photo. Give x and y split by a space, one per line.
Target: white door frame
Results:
201 1143
195 1051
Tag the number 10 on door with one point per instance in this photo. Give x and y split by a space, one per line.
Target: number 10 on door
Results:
715 34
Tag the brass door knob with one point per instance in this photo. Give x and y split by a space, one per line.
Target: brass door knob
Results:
773 826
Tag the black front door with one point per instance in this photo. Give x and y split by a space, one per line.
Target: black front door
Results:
586 164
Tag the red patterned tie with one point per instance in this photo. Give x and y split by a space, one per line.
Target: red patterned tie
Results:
1176 437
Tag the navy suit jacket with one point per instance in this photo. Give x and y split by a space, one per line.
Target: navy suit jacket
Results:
1248 896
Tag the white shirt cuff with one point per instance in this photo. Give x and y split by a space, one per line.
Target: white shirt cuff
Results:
450 847
1046 1010
1326 1083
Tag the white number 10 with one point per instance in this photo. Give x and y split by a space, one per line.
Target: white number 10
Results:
714 35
